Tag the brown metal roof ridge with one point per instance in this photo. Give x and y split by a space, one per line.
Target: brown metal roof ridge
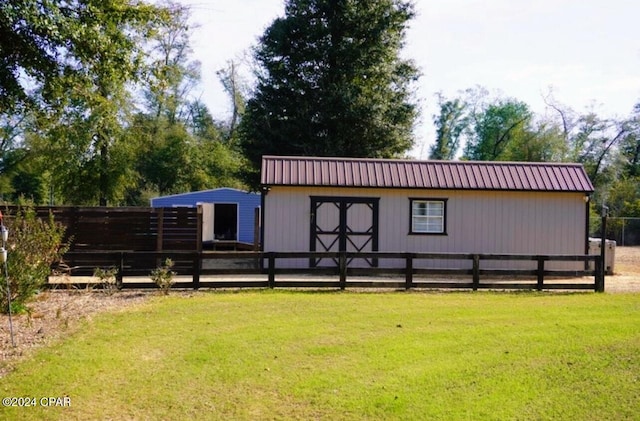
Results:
415 174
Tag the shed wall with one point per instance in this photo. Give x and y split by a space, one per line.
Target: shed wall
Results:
477 222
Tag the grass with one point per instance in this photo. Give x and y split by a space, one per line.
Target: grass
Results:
331 355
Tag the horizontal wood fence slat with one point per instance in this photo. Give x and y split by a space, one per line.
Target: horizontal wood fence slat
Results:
269 265
124 228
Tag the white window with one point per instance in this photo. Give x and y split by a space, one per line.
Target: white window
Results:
428 216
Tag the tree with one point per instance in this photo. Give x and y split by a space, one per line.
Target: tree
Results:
450 124
178 146
330 82
609 149
593 143
630 145
48 47
88 153
623 194
71 68
623 198
540 141
25 178
170 73
30 35
496 127
499 129
201 122
235 88
592 140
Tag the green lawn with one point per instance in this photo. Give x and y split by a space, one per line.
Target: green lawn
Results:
345 355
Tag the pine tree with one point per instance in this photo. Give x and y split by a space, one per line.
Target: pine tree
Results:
331 82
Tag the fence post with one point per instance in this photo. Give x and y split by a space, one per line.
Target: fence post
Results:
271 259
199 228
600 265
540 273
196 269
476 271
343 269
256 229
160 234
409 272
596 275
603 246
120 274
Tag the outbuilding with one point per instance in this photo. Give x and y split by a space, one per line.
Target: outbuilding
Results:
349 204
228 215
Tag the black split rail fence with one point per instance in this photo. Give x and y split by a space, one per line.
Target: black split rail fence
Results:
205 270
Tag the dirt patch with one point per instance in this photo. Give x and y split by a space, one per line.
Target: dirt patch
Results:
627 261
55 314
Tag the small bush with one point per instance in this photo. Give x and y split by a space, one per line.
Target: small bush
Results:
107 279
163 276
33 245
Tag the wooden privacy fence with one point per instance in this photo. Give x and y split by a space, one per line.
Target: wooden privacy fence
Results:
194 264
125 228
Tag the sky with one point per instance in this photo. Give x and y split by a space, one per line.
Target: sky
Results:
586 52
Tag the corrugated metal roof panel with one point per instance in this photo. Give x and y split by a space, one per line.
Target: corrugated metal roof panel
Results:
392 173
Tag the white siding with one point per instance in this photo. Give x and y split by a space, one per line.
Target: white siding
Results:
477 222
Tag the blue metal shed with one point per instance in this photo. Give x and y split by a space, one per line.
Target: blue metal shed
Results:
227 214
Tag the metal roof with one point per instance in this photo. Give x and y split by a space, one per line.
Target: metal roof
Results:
409 174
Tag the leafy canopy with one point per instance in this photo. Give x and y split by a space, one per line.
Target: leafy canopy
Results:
48 46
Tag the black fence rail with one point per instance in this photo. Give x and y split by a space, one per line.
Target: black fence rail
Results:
197 264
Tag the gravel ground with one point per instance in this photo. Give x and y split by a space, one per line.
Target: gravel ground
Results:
626 271
57 313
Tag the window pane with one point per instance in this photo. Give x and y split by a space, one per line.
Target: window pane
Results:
420 208
419 225
434 225
436 209
427 216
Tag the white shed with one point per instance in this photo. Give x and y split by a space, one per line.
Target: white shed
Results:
350 204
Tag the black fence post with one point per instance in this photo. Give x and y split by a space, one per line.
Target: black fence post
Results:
409 271
343 269
476 271
271 259
596 276
603 246
120 274
540 284
196 269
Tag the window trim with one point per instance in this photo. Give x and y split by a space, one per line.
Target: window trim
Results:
428 199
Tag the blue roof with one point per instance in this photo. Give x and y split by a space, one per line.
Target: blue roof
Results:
202 196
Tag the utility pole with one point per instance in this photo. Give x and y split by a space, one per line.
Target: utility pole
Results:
4 232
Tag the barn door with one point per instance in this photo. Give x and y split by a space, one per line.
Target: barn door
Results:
344 224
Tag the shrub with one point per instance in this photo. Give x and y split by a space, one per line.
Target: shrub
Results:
33 245
163 276
107 279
